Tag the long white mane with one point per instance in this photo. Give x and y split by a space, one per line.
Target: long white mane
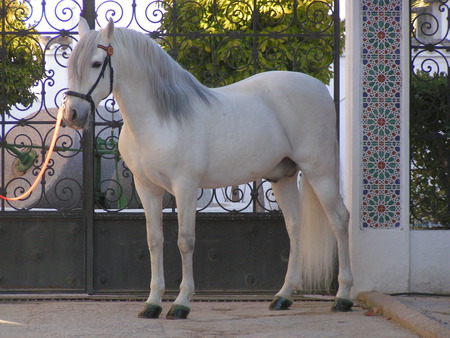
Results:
172 89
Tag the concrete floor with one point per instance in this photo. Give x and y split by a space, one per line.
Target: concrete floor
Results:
207 319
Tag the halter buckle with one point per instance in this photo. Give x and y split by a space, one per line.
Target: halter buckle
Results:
109 49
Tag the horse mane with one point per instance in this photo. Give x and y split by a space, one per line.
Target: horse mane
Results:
172 89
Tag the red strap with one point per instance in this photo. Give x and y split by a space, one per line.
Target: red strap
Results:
109 49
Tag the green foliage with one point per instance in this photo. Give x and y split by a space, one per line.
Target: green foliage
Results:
20 57
226 42
430 149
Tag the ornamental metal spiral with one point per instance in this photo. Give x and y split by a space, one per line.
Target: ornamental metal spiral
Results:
218 41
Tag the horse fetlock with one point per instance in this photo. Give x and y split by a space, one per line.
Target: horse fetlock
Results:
155 295
346 281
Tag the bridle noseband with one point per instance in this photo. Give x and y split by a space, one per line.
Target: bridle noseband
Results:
109 51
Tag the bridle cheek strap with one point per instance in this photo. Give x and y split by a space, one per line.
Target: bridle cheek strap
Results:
109 51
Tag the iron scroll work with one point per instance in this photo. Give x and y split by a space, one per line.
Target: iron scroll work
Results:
219 41
430 115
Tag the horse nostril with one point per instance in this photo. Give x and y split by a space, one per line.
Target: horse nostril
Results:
73 114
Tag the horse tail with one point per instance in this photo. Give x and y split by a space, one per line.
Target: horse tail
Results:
317 243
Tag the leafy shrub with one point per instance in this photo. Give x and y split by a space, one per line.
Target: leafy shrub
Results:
20 57
430 149
222 42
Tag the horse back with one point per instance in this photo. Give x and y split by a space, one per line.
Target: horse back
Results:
301 104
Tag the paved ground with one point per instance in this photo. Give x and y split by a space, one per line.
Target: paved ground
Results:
428 316
207 319
75 318
436 308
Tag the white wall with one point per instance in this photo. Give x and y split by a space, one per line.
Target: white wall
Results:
430 261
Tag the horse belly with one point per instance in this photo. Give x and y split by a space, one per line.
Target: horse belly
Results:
238 162
230 176
246 140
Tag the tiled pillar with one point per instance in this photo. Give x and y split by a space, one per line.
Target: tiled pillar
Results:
376 141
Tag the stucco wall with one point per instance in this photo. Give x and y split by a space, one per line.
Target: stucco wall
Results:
430 261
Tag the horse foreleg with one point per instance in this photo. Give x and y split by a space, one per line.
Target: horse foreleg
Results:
186 203
287 195
151 198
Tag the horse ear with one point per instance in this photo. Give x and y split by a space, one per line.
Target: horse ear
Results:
83 27
108 31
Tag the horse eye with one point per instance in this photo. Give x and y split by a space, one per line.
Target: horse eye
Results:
96 64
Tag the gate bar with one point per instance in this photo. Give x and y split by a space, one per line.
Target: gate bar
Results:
88 172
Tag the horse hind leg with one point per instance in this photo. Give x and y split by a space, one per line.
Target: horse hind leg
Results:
326 188
287 195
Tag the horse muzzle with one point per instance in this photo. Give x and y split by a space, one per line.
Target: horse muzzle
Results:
76 113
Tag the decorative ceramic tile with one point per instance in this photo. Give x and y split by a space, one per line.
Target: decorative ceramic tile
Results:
382 78
380 129
381 122
380 209
380 164
381 34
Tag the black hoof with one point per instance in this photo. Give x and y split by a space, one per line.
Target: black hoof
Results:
280 303
342 305
150 311
178 312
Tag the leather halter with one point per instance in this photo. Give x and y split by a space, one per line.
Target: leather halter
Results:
109 51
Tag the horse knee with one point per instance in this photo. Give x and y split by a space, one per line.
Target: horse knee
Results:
155 244
186 243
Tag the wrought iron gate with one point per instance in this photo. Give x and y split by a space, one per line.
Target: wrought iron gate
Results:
82 229
430 115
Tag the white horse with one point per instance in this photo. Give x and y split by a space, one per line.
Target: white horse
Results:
179 135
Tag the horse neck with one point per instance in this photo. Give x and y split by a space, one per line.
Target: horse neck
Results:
153 87
146 74
130 90
139 117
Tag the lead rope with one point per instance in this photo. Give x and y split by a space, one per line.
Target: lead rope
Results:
47 158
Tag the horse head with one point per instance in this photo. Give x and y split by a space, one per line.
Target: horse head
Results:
91 77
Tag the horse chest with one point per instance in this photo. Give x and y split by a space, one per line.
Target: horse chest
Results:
148 160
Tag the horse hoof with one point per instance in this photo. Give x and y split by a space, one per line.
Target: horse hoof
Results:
342 305
280 303
150 311
178 312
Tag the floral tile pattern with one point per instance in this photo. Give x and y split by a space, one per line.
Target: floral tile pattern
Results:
381 82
